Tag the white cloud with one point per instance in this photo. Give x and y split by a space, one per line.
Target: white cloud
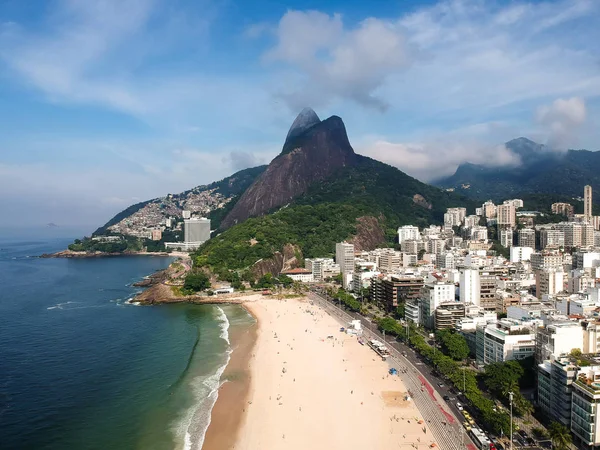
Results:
434 159
338 62
474 57
561 120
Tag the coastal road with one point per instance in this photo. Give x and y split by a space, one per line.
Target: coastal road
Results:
444 420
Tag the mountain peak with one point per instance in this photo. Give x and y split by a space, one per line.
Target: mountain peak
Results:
312 152
305 120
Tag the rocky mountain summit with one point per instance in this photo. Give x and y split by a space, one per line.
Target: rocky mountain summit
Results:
313 151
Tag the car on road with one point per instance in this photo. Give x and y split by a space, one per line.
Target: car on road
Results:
440 384
446 398
459 406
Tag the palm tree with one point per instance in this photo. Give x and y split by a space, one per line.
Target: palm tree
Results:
560 436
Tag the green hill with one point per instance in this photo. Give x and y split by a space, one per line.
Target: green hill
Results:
328 214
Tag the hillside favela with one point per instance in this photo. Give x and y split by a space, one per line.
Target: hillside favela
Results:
272 226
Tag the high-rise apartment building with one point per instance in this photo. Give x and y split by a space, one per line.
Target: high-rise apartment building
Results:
565 209
506 237
469 286
526 237
196 230
550 281
587 202
489 210
506 215
344 256
551 237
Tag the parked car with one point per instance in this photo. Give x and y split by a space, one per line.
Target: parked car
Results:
459 406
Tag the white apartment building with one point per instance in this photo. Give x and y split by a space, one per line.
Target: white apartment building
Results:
557 339
408 232
321 268
479 233
390 260
362 279
504 340
516 202
470 287
446 261
433 294
520 254
586 260
549 282
471 221
506 237
580 281
436 246
489 210
546 260
344 256
585 416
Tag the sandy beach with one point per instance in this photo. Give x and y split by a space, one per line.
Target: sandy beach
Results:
307 390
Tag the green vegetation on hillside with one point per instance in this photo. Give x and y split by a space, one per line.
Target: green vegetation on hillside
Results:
327 214
315 228
88 245
195 282
125 244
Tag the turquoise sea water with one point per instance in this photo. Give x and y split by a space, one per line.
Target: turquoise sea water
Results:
82 369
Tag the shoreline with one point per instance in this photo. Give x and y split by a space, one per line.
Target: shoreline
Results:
227 414
83 255
303 373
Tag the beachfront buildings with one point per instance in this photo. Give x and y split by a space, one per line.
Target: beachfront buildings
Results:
344 256
299 274
392 290
433 294
585 417
504 340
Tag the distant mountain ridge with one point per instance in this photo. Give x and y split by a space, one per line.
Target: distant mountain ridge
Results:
542 171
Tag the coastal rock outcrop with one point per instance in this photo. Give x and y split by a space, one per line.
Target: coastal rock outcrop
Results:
289 258
370 233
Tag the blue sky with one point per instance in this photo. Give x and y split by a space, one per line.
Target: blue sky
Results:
106 103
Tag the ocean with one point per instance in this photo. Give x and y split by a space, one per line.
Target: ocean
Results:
80 368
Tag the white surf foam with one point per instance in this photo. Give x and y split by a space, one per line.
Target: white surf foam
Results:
198 418
222 317
61 305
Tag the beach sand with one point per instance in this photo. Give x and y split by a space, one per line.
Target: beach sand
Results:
226 416
308 391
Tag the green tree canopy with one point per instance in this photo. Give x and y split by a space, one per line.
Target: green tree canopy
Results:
196 281
560 435
453 344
